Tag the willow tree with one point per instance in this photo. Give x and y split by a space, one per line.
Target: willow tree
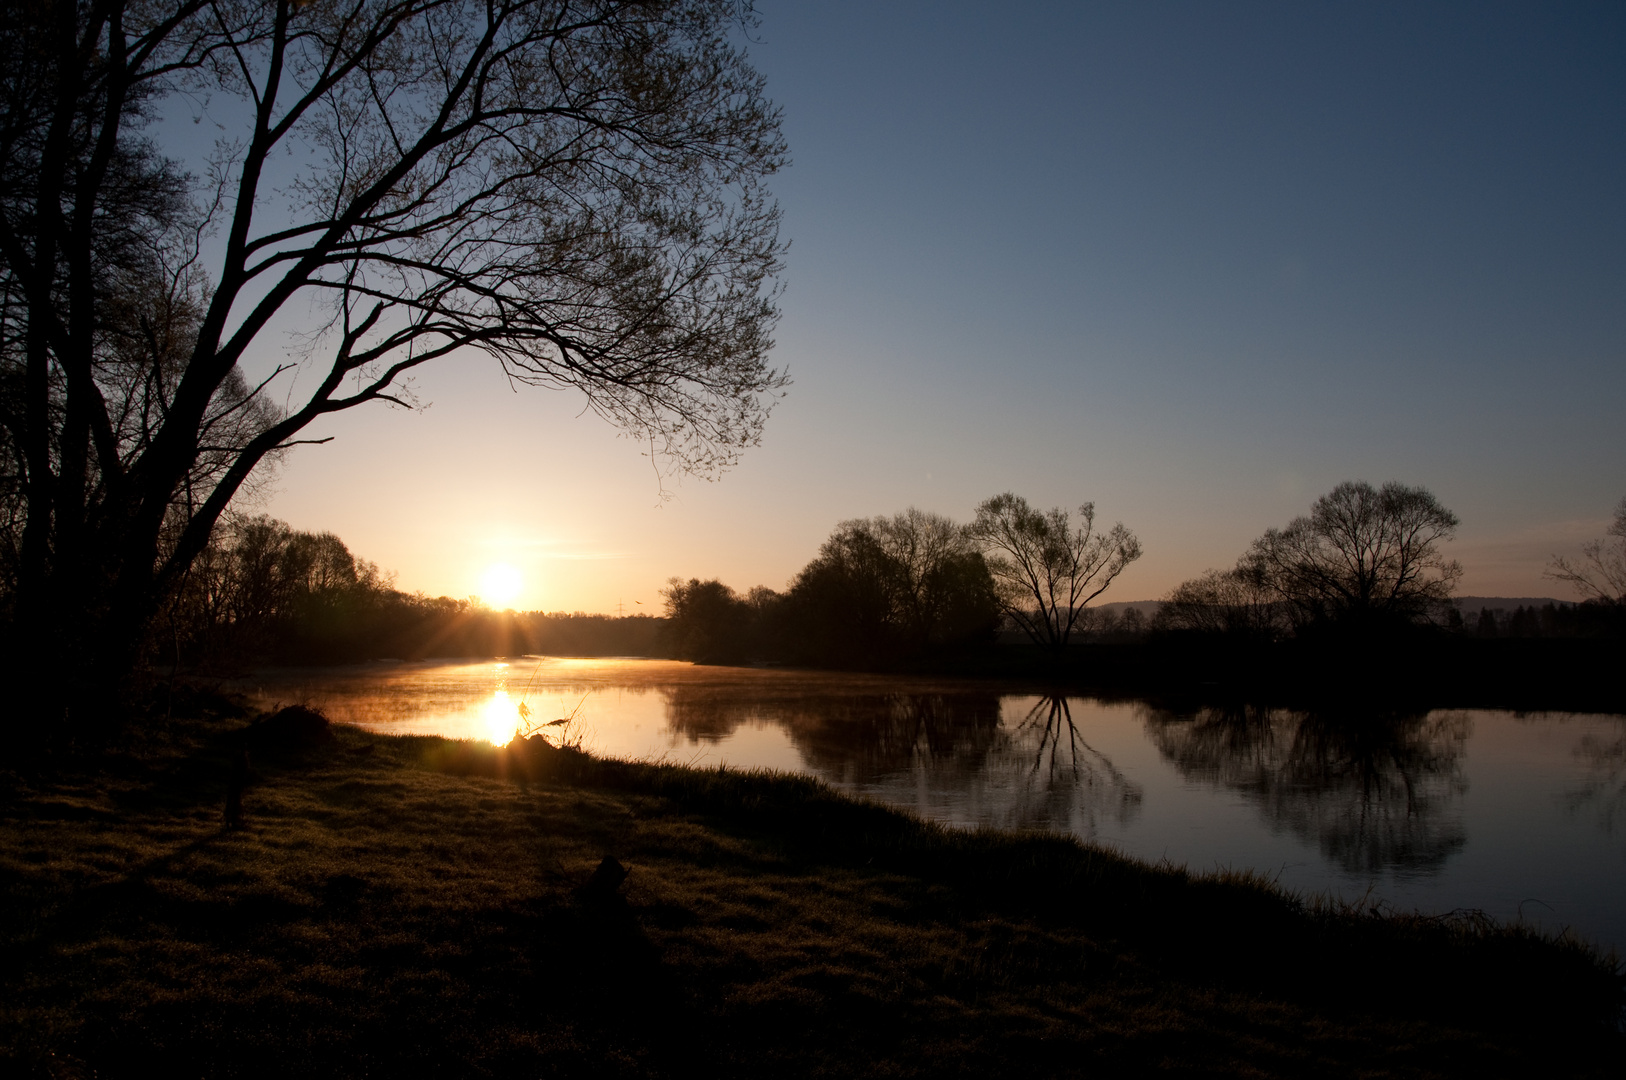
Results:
573 188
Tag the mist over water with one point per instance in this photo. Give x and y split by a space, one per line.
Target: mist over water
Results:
1518 815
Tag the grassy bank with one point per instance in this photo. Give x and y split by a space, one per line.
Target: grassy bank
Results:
417 906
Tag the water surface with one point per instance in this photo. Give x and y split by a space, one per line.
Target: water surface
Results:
1518 815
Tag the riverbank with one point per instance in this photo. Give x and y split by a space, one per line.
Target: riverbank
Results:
418 904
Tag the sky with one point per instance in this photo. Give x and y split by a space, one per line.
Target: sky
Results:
1194 263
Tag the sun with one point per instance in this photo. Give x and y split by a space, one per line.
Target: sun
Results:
500 585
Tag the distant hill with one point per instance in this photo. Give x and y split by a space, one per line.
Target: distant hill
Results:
1147 608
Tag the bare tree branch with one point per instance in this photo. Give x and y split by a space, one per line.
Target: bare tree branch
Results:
1048 569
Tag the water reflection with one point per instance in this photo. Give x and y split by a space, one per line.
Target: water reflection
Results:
854 737
1602 789
1374 791
1330 802
929 749
1067 774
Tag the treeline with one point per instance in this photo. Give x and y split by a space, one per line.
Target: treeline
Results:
1366 565
915 588
1354 599
265 593
1550 620
1364 562
1369 564
881 592
1363 574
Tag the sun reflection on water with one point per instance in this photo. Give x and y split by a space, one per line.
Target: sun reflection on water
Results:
501 717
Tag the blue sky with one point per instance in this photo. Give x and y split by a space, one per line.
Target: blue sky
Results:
1197 263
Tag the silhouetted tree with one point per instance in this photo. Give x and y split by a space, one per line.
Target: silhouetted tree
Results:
1046 568
844 605
1525 622
573 187
1363 556
880 590
263 589
707 621
1599 574
768 620
889 587
1237 603
942 592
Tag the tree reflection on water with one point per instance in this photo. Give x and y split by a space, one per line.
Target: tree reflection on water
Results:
1375 790
1603 789
853 738
1068 777
948 754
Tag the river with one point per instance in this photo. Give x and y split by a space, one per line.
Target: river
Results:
1520 815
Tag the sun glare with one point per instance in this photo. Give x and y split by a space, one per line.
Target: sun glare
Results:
500 585
502 718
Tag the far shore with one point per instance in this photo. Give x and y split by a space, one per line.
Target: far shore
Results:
1427 671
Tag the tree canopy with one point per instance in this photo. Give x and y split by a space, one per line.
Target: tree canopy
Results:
1363 555
888 587
880 591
